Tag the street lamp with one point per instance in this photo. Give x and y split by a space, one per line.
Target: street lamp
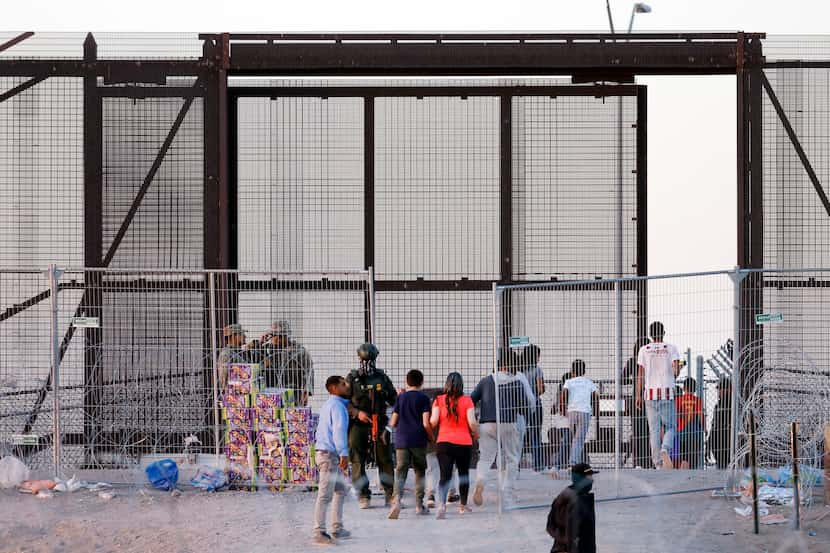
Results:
639 7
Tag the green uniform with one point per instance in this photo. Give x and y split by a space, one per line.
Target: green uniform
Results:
372 394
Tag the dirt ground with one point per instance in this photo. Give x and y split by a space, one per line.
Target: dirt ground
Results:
138 519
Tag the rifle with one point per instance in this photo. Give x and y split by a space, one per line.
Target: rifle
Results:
372 451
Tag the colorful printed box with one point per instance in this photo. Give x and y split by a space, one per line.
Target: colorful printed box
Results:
236 401
267 411
238 444
270 445
238 418
301 475
271 471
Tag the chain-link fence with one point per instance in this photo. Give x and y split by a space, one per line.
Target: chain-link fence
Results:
228 367
201 366
637 373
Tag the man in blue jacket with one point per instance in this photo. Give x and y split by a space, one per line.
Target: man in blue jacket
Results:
332 457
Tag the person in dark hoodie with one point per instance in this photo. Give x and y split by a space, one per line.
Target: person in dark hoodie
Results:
571 521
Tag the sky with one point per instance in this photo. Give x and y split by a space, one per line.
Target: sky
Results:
691 212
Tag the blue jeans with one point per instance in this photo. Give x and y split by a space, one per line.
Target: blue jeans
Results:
534 437
661 417
579 428
563 452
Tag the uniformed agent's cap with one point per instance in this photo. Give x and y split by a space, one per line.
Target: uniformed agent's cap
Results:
280 328
583 468
234 329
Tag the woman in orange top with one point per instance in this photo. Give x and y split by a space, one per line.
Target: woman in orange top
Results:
454 415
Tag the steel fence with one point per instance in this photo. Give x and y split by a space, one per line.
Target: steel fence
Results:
147 360
769 324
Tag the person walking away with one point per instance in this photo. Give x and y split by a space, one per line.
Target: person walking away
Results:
411 417
532 371
721 434
658 365
371 394
560 432
454 415
433 473
512 402
580 396
331 445
572 519
690 425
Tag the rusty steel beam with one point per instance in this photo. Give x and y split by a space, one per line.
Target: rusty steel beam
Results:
16 40
482 58
799 150
113 71
26 85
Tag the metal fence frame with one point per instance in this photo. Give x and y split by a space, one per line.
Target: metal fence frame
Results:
746 343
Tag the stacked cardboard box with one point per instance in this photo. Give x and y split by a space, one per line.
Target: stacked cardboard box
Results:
239 445
269 440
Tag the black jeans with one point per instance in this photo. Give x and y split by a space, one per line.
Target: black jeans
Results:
458 455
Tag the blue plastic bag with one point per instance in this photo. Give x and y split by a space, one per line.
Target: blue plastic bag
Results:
210 479
163 475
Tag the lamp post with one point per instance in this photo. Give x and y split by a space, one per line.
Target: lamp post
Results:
639 7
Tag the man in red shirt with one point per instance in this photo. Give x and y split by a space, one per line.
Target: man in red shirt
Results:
689 425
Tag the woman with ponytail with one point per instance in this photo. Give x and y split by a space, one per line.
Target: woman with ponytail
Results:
454 415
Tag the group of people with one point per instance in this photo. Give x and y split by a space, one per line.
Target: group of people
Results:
354 428
285 363
436 430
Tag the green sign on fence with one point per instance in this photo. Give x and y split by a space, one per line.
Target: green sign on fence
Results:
765 318
85 322
519 341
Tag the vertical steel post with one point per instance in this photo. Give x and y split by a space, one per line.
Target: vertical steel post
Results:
54 349
737 277
701 394
372 332
499 457
796 477
215 356
618 400
753 460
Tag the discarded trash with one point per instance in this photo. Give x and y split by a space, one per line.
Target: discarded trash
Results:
175 493
728 533
12 472
163 474
68 486
36 486
775 496
94 486
44 494
106 496
725 493
783 476
812 533
209 479
776 518
746 511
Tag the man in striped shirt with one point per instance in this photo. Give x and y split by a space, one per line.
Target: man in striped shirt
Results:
658 365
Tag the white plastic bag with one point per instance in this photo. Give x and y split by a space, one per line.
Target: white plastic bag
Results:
12 472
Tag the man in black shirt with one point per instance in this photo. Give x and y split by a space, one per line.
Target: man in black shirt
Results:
572 520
